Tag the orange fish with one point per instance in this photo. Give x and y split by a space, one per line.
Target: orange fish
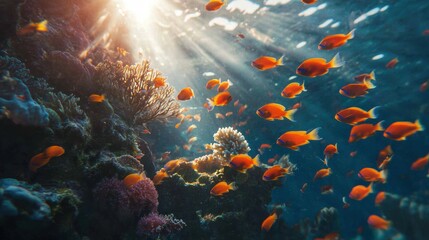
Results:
356 89
41 159
399 131
330 150
212 83
363 131
54 151
275 172
265 62
197 117
293 89
294 139
228 114
236 103
264 146
222 187
314 67
132 179
95 98
297 105
223 86
241 109
273 159
309 1
221 99
392 63
322 173
146 131
159 82
372 175
337 40
354 115
424 86
220 115
186 94
384 157
122 51
275 111
173 164
380 198
268 222
214 5
330 236
378 222
360 192
192 140
242 162
191 128
420 163
365 76
327 189
159 176
33 28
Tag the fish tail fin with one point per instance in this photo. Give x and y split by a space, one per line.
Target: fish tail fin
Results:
372 75
372 112
233 186
369 84
42 26
370 187
303 87
229 82
314 134
289 114
256 161
351 34
336 62
336 147
383 175
379 126
210 104
280 61
420 127
324 161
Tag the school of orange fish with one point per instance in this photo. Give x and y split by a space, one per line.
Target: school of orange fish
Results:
313 67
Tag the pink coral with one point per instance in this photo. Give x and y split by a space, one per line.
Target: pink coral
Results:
143 197
157 224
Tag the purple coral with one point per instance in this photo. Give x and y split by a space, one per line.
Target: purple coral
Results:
158 224
143 197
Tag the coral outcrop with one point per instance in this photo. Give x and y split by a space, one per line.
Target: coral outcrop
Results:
229 142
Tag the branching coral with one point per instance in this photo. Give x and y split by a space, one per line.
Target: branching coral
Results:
209 163
131 90
156 224
17 104
229 142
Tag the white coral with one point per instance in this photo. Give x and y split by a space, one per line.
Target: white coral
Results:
228 142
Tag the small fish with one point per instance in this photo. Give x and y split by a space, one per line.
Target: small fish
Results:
265 62
365 77
294 139
146 131
243 123
420 163
424 86
223 86
220 115
315 67
380 198
360 192
132 179
345 203
322 173
329 236
337 40
223 187
191 128
241 109
293 89
372 175
297 105
356 89
236 103
275 111
214 5
264 146
33 28
187 147
384 157
273 159
309 1
159 177
185 94
54 151
95 98
228 114
41 159
392 63
399 131
363 131
212 83
171 166
268 222
197 117
243 162
221 99
330 150
326 189
159 82
192 140
355 115
275 172
378 222
353 154
304 187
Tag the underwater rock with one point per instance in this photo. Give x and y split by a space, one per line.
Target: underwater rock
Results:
17 104
148 158
132 92
228 142
409 215
209 163
156 224
327 221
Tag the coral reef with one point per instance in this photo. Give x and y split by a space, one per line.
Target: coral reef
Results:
131 90
156 224
327 221
209 163
409 215
228 142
